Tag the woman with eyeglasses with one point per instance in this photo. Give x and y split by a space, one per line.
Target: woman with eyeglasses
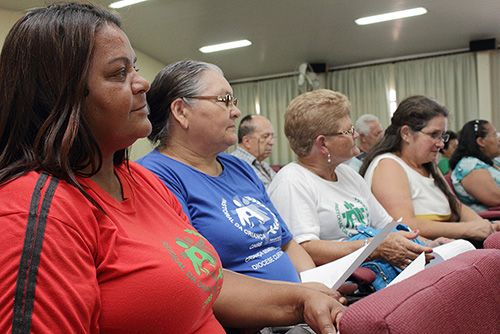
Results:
325 202
403 176
475 176
193 113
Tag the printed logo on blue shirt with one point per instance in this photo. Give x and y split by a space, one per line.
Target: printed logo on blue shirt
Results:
252 218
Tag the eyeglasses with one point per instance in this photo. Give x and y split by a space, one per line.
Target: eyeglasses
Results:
438 135
227 99
349 132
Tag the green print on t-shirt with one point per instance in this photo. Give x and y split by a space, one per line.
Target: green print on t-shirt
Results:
197 255
353 214
202 261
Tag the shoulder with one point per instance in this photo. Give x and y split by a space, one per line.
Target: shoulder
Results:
155 161
68 205
167 169
293 173
346 171
386 164
242 154
233 164
470 163
465 166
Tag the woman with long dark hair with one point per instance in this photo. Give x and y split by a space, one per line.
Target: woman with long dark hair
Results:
475 176
401 170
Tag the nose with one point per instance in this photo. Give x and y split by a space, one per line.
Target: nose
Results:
234 111
355 134
140 85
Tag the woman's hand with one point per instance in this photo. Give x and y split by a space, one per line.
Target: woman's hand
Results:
399 250
321 312
345 289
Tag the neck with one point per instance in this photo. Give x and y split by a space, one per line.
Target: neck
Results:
321 168
407 157
206 163
107 179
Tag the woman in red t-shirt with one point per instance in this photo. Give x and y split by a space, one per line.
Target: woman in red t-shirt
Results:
89 242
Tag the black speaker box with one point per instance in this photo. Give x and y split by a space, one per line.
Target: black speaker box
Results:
318 67
483 44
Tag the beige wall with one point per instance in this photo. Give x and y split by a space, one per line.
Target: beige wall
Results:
7 20
148 66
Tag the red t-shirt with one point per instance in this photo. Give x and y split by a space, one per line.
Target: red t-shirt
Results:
137 268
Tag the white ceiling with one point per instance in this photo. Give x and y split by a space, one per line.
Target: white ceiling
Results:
286 33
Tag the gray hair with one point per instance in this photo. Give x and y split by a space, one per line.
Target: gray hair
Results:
363 123
177 80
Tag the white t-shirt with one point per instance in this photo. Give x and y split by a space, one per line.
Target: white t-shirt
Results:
317 209
429 202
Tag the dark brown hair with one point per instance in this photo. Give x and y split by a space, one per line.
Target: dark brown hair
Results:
44 68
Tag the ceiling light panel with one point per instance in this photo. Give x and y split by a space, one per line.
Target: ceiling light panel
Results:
124 3
391 16
225 46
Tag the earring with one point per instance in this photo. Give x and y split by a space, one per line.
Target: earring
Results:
329 158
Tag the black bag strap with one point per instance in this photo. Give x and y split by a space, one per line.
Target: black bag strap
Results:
24 297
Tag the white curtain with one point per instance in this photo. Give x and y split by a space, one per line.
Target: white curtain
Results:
367 88
247 95
274 96
451 80
271 98
495 87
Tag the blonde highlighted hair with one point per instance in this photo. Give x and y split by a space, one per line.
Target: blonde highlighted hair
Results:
312 114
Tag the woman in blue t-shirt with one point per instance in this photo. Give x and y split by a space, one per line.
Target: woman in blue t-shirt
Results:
475 176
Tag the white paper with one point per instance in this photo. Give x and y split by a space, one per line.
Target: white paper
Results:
441 253
335 273
449 250
414 267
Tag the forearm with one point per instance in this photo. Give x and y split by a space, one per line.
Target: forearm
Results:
300 258
248 302
434 229
324 251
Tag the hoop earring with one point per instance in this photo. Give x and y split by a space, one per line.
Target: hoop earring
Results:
329 158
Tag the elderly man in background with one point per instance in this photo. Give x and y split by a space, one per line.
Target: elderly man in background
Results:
370 132
255 144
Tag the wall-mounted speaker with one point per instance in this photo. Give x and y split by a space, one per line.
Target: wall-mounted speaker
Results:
483 44
318 67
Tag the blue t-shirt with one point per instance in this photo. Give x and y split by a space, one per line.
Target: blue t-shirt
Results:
232 211
463 168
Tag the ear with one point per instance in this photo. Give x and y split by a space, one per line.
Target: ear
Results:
480 142
179 112
319 144
405 133
245 142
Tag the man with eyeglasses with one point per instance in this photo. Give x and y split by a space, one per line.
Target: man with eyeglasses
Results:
370 132
255 143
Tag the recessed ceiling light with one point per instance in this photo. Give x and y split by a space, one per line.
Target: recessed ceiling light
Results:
391 16
225 46
124 3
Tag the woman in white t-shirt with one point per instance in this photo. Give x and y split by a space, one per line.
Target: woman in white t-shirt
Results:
323 200
402 173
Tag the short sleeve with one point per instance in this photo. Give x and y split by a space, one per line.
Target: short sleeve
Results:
294 200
